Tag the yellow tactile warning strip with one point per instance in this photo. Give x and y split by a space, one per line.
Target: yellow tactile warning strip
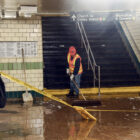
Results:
92 91
103 110
80 110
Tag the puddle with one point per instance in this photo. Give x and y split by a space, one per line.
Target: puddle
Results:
7 130
9 112
53 121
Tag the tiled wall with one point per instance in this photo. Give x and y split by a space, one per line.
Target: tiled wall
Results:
22 30
133 29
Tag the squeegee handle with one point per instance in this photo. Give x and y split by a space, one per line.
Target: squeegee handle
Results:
78 88
24 67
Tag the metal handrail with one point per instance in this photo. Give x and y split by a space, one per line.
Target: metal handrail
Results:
89 53
134 60
131 36
88 44
85 45
87 49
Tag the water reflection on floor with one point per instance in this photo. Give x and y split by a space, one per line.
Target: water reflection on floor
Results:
54 121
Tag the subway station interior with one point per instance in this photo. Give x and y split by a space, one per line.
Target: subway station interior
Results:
69 70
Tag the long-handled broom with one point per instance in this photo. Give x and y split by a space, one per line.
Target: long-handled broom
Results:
84 102
27 97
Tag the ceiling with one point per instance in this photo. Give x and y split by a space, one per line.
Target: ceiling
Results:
58 6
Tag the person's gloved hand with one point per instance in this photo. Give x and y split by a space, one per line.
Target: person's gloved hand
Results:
67 71
71 76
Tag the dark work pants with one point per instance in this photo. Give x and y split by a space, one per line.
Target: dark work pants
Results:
73 88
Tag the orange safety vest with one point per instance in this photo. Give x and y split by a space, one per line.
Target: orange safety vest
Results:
72 63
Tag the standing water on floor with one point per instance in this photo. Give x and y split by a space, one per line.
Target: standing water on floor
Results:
53 121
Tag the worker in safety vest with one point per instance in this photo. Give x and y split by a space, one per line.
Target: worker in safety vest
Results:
74 69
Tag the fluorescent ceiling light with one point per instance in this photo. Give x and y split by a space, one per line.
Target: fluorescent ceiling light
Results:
27 15
10 14
28 9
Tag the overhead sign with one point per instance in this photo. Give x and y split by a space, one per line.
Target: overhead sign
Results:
126 16
87 17
14 49
90 16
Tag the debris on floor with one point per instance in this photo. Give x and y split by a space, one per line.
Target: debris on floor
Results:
54 121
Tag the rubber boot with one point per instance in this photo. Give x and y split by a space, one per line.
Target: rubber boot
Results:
70 94
76 96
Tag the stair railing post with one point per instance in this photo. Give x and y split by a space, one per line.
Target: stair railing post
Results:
99 80
94 76
88 59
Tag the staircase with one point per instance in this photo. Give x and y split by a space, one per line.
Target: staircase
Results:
59 33
110 53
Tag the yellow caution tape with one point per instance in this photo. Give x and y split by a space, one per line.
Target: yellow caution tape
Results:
102 110
80 110
84 113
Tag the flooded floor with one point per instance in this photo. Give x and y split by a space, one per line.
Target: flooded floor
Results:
53 121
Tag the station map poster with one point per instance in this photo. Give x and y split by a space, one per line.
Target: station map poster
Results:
14 49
